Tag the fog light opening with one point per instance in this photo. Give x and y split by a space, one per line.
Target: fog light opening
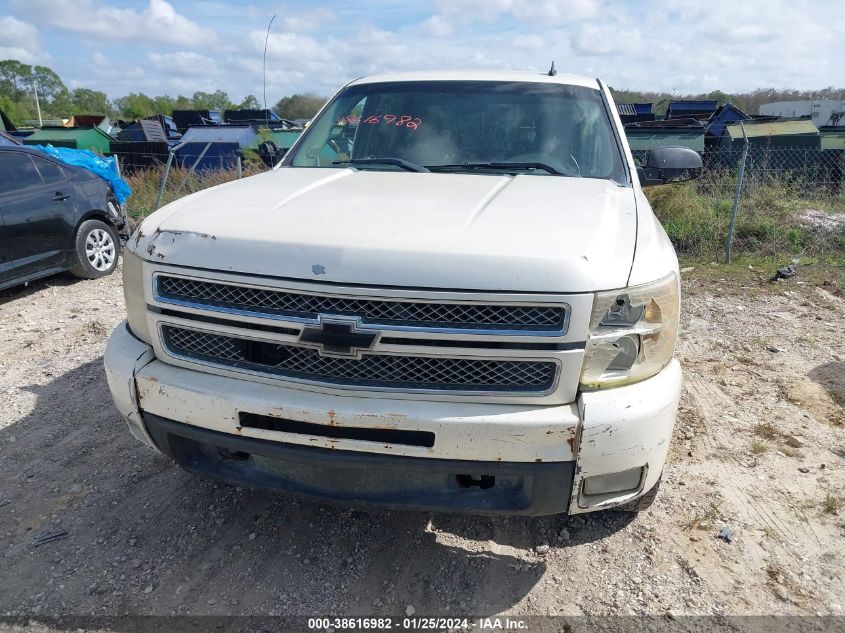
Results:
623 481
236 456
476 481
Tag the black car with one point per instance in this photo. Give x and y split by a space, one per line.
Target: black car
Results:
54 217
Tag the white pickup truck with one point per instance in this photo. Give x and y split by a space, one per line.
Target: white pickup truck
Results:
451 295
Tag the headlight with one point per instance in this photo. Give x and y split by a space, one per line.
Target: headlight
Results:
632 334
133 295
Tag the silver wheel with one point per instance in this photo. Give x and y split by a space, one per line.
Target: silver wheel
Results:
100 249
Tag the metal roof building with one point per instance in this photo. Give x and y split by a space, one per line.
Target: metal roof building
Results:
143 130
701 110
832 139
91 138
88 120
725 114
635 112
823 112
212 147
251 116
183 119
801 133
646 138
781 145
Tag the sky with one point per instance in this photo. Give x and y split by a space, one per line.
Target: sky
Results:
178 47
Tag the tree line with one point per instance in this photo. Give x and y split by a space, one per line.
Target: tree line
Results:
748 102
19 81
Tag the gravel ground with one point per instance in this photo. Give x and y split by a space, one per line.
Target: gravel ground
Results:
93 523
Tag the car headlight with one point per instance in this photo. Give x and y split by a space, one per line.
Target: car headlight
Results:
632 334
133 295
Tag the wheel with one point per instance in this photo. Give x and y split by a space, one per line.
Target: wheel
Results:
95 250
641 503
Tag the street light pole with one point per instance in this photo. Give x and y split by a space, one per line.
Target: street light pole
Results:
37 104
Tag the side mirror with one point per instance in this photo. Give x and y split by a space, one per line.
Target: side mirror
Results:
670 163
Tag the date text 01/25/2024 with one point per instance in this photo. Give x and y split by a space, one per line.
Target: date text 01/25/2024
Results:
417 624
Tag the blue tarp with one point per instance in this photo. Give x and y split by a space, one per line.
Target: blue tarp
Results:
103 166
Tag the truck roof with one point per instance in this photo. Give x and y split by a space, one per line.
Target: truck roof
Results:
480 75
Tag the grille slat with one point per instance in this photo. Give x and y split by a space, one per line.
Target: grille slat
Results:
373 370
376 311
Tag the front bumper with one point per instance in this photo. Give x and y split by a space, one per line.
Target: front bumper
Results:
366 479
538 456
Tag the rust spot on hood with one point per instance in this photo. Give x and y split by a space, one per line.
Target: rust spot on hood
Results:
571 442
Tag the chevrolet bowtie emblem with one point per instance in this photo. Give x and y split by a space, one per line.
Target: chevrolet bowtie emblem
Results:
338 337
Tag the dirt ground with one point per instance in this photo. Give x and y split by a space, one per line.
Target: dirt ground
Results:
92 522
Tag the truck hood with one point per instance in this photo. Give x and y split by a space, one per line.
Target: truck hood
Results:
455 231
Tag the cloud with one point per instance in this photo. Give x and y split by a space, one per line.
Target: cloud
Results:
103 68
303 21
528 41
186 64
18 40
592 40
158 22
291 48
686 45
13 32
536 11
436 26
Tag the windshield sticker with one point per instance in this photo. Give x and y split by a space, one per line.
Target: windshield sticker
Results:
406 120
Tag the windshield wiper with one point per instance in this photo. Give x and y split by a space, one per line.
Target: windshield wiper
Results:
387 160
504 165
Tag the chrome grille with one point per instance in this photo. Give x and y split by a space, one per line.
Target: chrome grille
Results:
371 370
376 311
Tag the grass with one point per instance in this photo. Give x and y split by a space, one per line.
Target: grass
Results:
831 504
708 515
746 360
750 276
696 216
758 447
807 340
767 430
146 183
771 533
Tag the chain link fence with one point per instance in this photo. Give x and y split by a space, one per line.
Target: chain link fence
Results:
791 204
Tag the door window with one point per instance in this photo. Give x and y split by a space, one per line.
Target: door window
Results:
51 173
17 172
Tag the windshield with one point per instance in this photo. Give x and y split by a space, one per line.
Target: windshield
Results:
458 126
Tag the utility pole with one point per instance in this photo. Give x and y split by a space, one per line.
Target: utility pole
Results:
264 73
37 104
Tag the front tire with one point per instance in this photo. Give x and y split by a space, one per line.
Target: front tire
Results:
96 249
